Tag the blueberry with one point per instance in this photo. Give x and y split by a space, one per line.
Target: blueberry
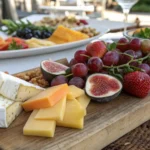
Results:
36 33
28 36
19 32
35 36
46 34
27 30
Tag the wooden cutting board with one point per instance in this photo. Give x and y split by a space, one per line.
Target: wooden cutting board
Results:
104 124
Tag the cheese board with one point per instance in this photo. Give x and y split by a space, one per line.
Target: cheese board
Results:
104 123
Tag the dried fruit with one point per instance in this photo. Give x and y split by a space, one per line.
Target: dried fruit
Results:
137 84
50 69
102 87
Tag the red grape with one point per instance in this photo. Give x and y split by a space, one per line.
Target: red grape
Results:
79 70
139 54
145 67
96 49
135 44
124 58
79 56
95 64
73 62
123 44
77 81
145 46
59 80
134 63
111 58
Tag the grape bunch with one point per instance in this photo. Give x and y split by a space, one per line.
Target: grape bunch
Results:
116 59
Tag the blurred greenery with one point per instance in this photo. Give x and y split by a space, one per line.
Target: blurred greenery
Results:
141 6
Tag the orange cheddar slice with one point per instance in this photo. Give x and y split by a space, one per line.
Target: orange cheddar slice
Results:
64 35
47 98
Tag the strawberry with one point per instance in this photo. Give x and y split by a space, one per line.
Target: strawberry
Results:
137 83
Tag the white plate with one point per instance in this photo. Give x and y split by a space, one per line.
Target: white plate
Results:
55 48
129 34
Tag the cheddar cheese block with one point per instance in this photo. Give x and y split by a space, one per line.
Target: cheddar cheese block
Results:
64 35
35 127
74 92
74 115
84 100
47 98
53 113
17 89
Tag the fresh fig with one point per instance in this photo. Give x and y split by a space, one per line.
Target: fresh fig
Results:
50 69
102 87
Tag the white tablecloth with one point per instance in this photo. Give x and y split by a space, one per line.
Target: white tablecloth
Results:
21 64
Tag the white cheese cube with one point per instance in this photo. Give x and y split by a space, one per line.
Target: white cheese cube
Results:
9 110
17 89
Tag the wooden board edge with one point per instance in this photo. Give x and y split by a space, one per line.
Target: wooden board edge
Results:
106 136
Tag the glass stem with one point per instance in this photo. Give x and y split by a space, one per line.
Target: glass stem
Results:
125 21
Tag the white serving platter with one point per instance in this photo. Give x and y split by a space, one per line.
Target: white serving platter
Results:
43 50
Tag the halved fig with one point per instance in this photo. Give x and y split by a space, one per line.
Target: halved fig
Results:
50 69
102 87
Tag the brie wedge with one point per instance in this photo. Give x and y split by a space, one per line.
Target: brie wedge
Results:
9 110
17 89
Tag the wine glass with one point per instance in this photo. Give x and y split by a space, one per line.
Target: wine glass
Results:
126 6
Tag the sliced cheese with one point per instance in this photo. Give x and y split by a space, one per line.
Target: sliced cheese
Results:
16 89
73 123
74 92
35 127
64 35
74 115
53 113
9 110
84 100
47 98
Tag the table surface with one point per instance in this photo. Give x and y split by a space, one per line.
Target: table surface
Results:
16 65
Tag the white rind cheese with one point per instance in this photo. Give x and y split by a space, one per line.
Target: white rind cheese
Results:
17 89
9 110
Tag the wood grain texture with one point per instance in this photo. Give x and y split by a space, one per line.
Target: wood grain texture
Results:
104 124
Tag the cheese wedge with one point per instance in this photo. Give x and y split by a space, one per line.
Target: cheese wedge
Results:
64 35
47 98
53 113
74 115
9 110
74 92
16 89
35 127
